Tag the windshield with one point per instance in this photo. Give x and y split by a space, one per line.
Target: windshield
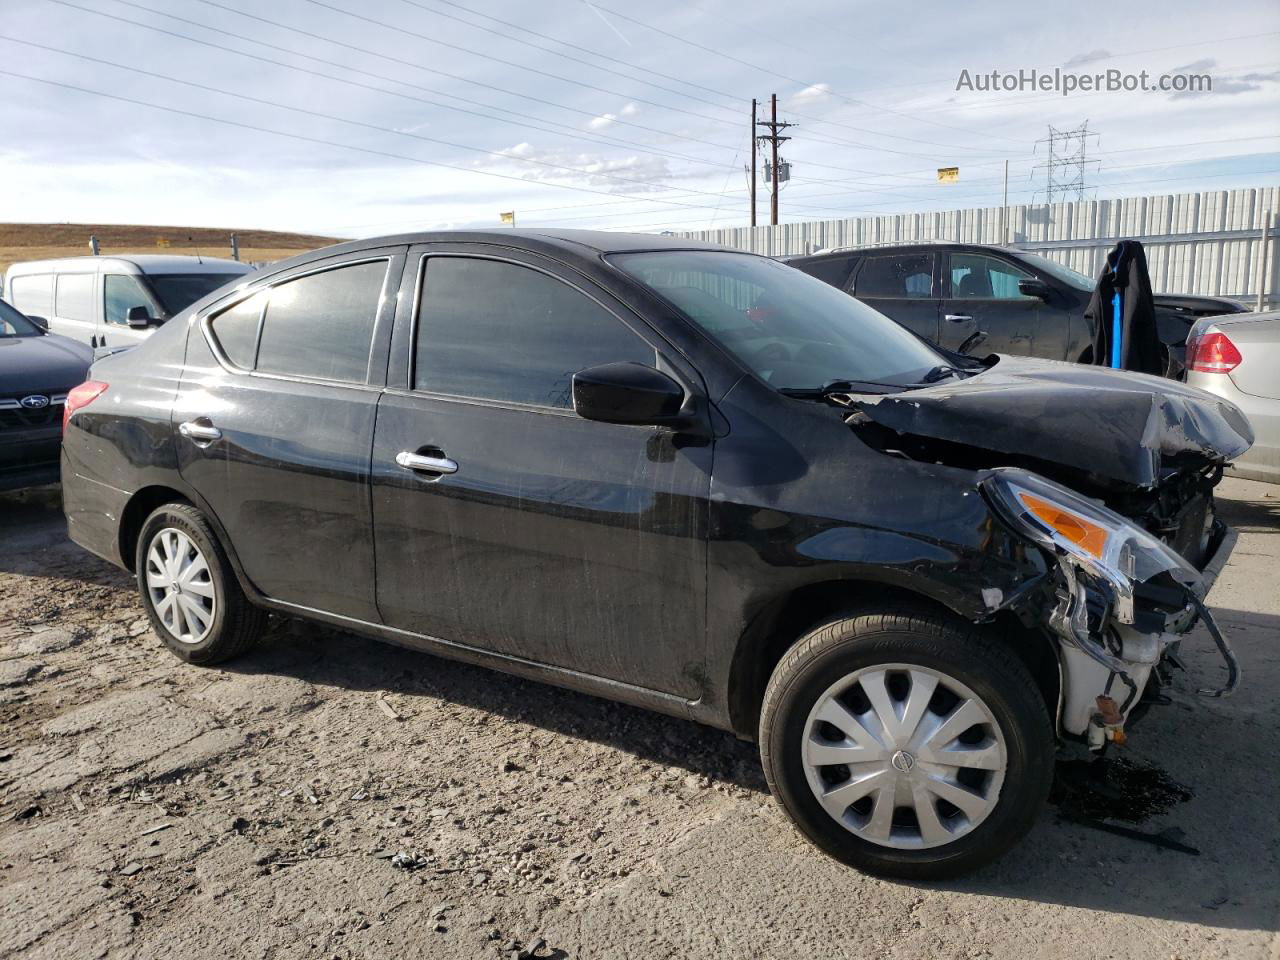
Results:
177 291
14 324
1068 276
794 331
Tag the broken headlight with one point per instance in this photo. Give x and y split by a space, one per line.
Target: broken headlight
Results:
1097 539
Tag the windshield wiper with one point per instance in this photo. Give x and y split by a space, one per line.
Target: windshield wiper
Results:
838 386
940 372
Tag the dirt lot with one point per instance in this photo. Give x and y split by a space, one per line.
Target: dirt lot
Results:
332 797
40 241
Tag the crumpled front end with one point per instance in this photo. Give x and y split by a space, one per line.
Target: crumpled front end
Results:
1118 601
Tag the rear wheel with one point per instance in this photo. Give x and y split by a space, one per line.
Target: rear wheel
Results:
906 744
189 590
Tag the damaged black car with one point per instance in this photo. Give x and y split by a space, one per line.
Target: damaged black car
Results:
686 478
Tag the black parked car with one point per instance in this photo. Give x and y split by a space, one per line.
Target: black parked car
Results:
36 371
1024 303
679 476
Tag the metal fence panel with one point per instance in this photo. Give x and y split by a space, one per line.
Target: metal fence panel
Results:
1209 243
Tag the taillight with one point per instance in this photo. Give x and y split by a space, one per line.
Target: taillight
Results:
81 397
1212 353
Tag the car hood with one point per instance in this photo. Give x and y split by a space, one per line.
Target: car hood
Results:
45 363
1126 427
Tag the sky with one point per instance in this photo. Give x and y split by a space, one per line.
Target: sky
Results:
355 118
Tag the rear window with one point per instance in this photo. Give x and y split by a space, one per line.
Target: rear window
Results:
900 277
319 325
177 291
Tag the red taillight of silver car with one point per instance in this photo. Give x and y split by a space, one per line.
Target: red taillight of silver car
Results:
1212 353
81 397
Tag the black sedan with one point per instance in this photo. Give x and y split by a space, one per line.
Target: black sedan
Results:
37 369
679 476
977 298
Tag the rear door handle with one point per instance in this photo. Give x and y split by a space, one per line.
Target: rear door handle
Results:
418 461
958 317
201 431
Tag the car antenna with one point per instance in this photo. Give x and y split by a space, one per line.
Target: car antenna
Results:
199 259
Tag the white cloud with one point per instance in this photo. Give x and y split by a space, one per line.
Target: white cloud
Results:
811 93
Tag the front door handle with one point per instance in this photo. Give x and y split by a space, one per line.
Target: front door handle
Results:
418 461
200 431
958 317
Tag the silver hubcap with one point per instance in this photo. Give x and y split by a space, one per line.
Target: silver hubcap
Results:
180 586
904 756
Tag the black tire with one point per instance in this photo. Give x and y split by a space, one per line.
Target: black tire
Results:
908 635
236 623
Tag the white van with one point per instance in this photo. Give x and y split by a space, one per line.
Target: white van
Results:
113 301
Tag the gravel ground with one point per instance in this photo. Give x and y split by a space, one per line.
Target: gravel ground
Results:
329 796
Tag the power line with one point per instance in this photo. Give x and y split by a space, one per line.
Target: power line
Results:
571 134
357 49
357 123
334 143
510 63
506 36
781 76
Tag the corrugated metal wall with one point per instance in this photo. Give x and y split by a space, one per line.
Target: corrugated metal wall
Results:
1207 243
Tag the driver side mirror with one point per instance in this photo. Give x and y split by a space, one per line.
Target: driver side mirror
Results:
40 322
629 393
1034 287
140 318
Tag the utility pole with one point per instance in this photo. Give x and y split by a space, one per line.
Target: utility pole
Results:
774 140
754 104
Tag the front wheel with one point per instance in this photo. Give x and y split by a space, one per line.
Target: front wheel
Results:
906 744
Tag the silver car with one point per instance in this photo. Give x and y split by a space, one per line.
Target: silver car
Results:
1238 357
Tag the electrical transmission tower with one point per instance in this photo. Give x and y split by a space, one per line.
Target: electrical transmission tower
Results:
1065 168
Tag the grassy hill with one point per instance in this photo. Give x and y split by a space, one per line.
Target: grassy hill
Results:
38 241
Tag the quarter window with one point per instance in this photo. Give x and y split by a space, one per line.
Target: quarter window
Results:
236 330
74 297
975 277
321 325
504 332
121 292
902 277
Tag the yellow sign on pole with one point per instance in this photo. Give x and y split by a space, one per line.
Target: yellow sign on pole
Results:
508 217
162 241
948 174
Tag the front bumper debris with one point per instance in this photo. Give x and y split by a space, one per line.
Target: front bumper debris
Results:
1106 666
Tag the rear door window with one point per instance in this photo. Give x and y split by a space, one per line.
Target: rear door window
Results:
321 325
899 276
73 299
834 270
501 331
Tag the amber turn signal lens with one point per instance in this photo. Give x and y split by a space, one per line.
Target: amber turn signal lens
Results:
1088 536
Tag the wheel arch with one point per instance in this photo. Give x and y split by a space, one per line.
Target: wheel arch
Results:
787 618
147 499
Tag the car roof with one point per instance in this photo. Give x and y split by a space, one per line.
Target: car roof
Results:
149 263
908 245
591 243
